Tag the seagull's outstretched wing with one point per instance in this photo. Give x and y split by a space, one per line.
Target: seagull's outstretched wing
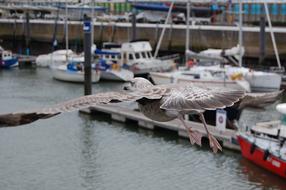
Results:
184 98
259 100
19 118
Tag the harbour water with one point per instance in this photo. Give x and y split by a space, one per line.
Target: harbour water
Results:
75 151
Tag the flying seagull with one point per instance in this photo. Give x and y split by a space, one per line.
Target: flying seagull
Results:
158 102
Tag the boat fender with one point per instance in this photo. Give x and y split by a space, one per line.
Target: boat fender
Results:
266 154
252 149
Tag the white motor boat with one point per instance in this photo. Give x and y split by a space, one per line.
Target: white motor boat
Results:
136 57
120 75
110 68
73 73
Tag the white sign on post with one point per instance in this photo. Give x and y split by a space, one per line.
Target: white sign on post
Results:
220 119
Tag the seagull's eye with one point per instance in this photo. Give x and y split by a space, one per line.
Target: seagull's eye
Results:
127 86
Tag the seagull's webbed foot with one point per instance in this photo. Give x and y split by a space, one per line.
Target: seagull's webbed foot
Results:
214 144
194 136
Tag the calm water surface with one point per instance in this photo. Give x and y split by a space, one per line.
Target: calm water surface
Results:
75 151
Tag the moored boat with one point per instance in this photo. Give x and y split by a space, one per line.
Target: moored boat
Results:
110 68
73 72
264 144
202 75
7 60
56 58
137 57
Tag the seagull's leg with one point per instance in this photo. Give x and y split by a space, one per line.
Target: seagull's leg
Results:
194 136
214 144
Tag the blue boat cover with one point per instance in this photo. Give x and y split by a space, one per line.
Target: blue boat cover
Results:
102 52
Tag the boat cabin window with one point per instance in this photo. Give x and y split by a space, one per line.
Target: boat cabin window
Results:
131 57
150 54
196 76
137 55
124 58
6 54
249 117
144 55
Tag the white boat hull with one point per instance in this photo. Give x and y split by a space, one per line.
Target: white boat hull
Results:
262 81
258 80
151 65
61 73
167 78
120 75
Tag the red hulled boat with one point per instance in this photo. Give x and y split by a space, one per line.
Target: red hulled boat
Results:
265 144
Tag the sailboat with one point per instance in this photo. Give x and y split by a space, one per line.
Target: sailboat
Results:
207 73
72 69
248 79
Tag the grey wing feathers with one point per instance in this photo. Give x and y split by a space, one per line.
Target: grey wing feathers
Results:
104 98
19 118
190 97
259 100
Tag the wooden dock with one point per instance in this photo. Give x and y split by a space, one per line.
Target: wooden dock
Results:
123 114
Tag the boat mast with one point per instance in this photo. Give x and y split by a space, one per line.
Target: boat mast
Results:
92 22
240 42
272 34
163 31
187 31
66 28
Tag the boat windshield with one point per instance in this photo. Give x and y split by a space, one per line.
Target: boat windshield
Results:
283 119
207 63
249 117
131 57
137 55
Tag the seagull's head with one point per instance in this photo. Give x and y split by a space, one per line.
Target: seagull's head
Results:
137 83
